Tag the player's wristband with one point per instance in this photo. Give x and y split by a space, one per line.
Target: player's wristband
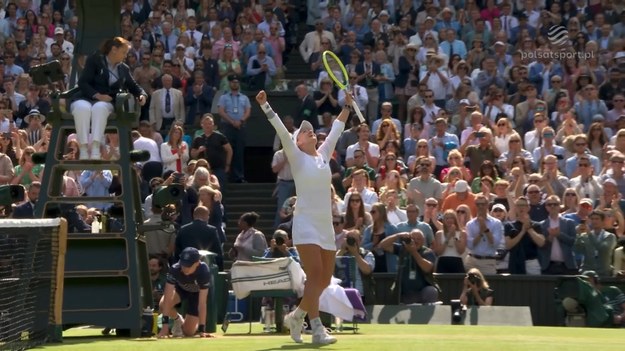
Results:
266 107
201 328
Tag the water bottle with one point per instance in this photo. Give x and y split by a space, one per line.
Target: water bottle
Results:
147 322
95 226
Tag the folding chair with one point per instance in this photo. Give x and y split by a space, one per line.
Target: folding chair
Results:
277 295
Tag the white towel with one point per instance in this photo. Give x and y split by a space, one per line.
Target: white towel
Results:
333 300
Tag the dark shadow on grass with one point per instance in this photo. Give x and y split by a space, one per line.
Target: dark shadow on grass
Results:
303 346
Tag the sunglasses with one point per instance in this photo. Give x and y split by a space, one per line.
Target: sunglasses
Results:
336 223
570 194
461 212
354 200
533 192
431 205
390 159
583 165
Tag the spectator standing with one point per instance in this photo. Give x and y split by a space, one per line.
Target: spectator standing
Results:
214 147
556 256
166 106
596 245
485 235
235 109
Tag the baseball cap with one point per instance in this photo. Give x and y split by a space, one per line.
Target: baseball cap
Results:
461 186
610 181
189 256
499 206
303 127
586 201
383 13
59 30
500 43
598 118
180 46
233 77
465 101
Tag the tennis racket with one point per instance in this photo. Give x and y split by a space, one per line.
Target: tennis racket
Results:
331 62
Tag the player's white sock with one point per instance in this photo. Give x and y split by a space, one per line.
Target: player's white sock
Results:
299 313
316 326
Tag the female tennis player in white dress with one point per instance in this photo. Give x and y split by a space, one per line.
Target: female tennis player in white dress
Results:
313 234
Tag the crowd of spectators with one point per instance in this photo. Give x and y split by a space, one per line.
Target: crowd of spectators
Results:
490 142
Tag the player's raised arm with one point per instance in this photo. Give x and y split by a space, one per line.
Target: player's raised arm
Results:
283 133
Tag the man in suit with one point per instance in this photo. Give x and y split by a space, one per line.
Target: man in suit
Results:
556 256
596 245
199 99
368 74
312 40
372 37
523 24
27 209
307 108
200 235
166 106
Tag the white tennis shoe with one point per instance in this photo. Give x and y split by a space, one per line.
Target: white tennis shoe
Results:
294 325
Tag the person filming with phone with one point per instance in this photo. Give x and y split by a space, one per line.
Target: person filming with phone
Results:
415 279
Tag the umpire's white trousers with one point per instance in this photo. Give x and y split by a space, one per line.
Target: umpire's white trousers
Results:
90 116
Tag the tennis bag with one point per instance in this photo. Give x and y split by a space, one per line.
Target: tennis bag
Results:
272 274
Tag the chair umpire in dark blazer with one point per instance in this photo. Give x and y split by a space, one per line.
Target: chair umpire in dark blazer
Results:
200 235
105 74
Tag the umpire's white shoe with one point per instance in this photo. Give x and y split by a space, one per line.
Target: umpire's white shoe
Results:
294 325
176 330
323 339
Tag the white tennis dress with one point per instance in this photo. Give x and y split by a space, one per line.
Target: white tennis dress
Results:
312 218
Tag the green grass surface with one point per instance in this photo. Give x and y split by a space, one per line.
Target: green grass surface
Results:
371 337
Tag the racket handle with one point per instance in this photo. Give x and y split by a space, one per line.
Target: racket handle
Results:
358 113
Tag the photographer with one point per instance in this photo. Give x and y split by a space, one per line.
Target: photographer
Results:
415 279
476 291
279 246
365 262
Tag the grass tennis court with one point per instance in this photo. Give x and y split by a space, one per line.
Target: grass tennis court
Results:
371 338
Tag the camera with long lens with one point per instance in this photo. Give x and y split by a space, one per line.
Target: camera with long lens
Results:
279 241
457 312
406 240
350 241
473 278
